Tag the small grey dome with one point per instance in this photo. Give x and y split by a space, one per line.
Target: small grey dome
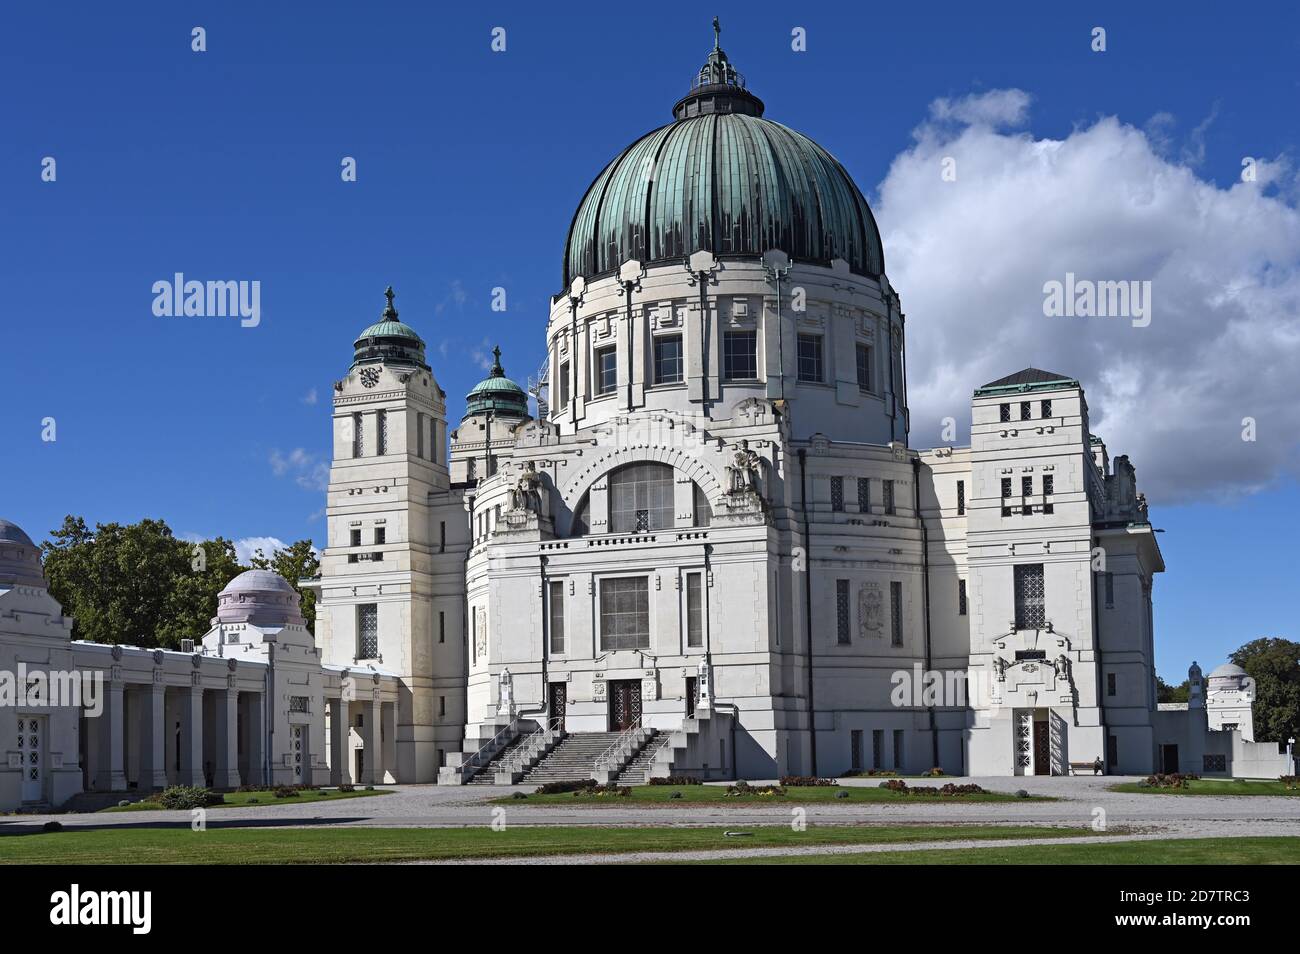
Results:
12 533
20 558
1227 670
259 597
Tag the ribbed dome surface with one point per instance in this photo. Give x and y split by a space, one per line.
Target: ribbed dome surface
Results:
260 597
731 183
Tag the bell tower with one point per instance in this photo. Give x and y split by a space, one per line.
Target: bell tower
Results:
390 585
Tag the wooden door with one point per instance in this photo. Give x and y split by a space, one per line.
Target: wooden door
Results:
1042 749
624 704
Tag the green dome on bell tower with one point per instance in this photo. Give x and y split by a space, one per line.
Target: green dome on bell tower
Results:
496 394
389 341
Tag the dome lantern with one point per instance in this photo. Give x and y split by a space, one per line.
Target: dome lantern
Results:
496 394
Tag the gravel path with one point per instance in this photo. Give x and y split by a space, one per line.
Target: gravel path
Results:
443 806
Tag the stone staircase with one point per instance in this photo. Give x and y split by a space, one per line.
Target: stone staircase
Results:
572 759
639 770
487 774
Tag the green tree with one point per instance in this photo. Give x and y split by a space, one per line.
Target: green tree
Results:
299 561
136 583
116 581
1168 693
1274 664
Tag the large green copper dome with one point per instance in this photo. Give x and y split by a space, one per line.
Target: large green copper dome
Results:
497 394
724 179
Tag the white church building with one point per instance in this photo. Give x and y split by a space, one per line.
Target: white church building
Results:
709 550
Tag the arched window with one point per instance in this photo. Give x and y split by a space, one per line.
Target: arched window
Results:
581 524
641 498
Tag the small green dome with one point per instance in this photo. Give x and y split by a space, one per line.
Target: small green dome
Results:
389 341
496 394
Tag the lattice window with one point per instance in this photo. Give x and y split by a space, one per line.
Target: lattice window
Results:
367 631
1026 410
556 608
842 612
1004 413
740 355
641 498
1214 763
864 495
1030 612
961 498
837 493
381 432
864 367
668 359
896 613
961 597
694 609
810 358
1025 742
299 704
625 613
356 435
887 492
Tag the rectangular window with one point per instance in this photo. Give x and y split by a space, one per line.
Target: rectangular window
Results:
381 432
1026 410
624 613
961 498
740 355
1049 485
896 614
855 750
433 441
1006 495
442 705
961 597
842 612
898 750
381 536
564 384
877 748
356 435
864 495
355 537
1004 413
837 493
606 370
1030 612
419 435
473 634
367 631
1110 683
442 626
556 607
887 492
1112 751
864 367
442 536
299 704
668 359
694 609
1046 408
810 358
1214 763
471 469
1026 486
1110 590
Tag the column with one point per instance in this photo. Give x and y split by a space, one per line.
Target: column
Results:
339 769
191 768
111 775
388 713
225 773
153 726
371 734
255 739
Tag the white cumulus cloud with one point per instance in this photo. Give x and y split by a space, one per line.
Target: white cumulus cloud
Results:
970 259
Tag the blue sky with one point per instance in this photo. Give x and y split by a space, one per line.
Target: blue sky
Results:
225 165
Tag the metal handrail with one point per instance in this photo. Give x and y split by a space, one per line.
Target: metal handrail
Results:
529 747
475 760
607 756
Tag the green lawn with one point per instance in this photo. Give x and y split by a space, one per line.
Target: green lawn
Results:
1214 786
247 799
1195 851
250 846
717 795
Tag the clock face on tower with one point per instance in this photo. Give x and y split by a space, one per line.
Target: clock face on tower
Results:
369 377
